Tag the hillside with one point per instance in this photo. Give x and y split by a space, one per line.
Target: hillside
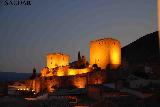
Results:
144 49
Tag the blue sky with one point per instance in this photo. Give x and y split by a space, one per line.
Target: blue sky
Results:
28 33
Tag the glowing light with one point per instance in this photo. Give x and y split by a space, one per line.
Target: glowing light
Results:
115 58
24 89
60 73
84 70
77 71
27 89
72 72
34 93
18 89
21 89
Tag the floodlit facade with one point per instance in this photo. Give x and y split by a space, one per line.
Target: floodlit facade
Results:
102 52
105 51
57 60
61 61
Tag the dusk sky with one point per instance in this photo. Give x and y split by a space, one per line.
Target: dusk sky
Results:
28 33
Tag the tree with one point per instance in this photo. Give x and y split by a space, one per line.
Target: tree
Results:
33 76
79 56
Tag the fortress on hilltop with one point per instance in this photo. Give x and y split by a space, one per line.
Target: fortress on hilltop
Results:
59 72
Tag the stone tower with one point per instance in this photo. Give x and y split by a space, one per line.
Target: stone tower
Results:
57 60
105 52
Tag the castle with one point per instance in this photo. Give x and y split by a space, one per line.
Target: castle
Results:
102 52
60 73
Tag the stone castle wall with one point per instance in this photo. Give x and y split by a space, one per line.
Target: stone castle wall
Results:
78 81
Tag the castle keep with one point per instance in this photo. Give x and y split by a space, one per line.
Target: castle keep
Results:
104 52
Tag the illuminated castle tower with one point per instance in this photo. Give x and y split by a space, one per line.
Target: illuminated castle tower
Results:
57 60
158 7
105 51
